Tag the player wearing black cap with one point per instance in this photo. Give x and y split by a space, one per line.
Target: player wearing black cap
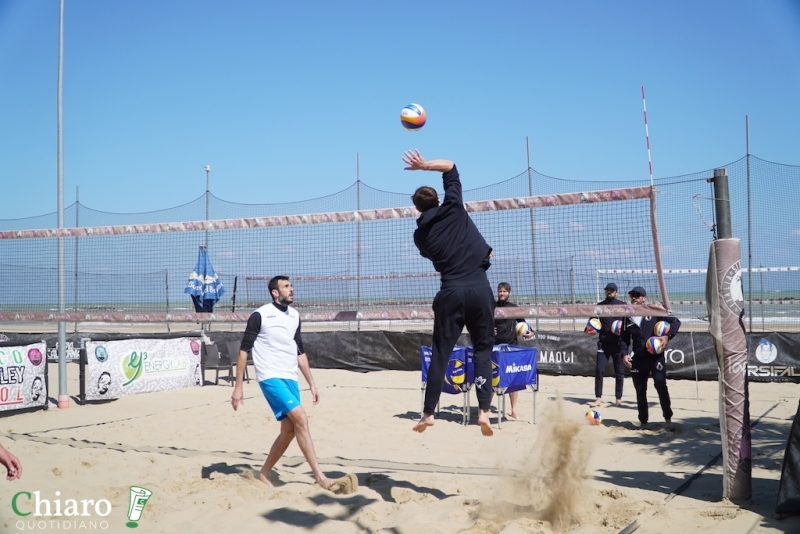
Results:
608 346
636 332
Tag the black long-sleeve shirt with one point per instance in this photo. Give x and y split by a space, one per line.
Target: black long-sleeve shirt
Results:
506 328
448 237
609 342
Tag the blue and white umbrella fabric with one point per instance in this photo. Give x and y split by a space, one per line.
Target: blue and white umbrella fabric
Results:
203 285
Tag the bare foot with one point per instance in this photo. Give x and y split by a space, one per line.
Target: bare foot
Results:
265 479
619 402
424 423
513 415
595 404
486 427
323 482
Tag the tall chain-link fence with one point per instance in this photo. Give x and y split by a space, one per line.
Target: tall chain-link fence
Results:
561 259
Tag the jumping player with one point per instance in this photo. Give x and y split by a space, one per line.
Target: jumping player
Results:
447 236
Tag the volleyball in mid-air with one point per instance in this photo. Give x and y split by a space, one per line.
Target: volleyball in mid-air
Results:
616 327
655 345
523 328
593 325
593 417
413 117
661 328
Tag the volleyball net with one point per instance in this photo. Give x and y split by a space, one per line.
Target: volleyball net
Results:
344 265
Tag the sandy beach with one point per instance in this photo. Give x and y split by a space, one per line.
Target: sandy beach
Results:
198 458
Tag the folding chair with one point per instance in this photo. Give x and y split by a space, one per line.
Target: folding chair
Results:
233 354
212 360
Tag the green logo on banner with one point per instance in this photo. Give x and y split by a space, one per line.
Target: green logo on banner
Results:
133 366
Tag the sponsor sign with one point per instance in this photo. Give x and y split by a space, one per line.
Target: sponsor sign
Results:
513 367
72 352
460 372
22 377
132 366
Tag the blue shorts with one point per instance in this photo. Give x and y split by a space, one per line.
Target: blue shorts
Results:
283 395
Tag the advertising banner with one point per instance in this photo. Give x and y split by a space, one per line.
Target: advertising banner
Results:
773 356
460 372
132 366
513 368
23 383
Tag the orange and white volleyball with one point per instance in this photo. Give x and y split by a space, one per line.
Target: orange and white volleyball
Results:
413 117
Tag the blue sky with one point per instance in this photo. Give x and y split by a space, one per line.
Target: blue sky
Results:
279 97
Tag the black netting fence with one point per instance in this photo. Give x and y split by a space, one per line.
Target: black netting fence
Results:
550 254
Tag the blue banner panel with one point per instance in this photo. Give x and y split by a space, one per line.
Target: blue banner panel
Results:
513 367
460 372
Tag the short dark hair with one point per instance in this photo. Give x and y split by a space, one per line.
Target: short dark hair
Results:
425 198
273 283
504 285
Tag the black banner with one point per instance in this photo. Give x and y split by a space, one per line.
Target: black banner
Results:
773 356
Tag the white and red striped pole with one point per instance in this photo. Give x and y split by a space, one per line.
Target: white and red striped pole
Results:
647 137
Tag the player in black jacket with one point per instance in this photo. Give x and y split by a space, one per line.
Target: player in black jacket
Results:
447 236
636 332
608 346
505 331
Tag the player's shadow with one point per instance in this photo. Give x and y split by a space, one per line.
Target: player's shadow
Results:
245 470
446 413
575 400
383 485
351 505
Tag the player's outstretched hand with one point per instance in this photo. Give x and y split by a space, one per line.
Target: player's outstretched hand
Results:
414 160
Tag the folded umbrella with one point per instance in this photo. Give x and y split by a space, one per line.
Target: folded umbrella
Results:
203 285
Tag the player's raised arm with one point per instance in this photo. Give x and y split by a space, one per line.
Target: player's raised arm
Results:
416 162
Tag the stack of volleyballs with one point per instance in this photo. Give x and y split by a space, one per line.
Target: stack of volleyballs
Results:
655 344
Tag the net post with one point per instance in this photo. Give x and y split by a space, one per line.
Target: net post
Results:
662 284
722 203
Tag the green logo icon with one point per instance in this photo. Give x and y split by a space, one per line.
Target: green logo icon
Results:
139 498
133 366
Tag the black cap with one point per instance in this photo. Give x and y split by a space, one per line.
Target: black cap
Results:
638 289
612 286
